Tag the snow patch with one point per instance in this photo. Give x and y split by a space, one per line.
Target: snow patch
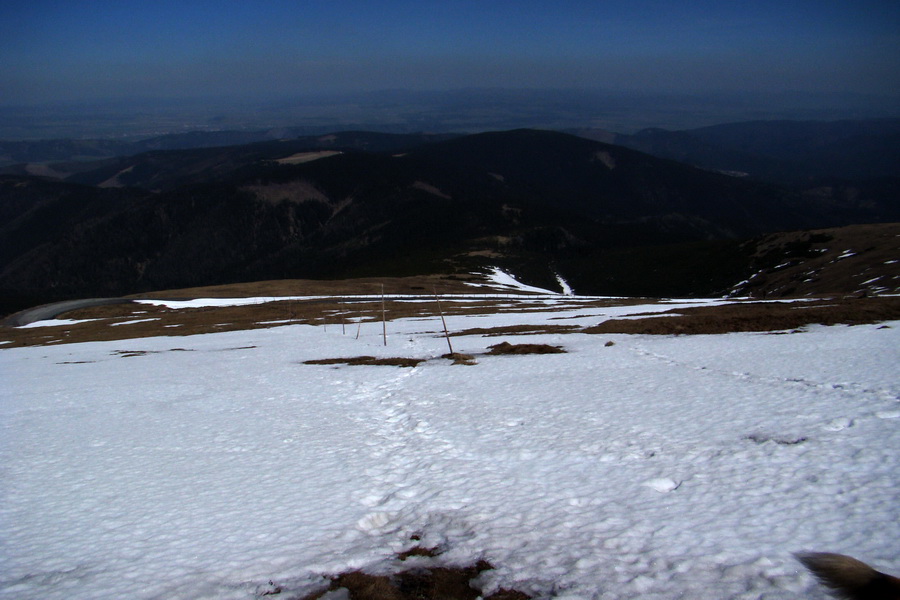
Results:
501 278
56 323
132 322
130 470
564 285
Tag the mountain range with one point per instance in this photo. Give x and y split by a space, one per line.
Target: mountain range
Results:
542 203
798 153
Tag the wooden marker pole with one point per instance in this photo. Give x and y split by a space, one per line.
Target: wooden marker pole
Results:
383 317
443 321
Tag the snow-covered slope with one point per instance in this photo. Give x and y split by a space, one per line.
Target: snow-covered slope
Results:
653 468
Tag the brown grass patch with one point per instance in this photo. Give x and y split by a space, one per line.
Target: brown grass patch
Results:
507 348
758 316
367 360
519 330
147 320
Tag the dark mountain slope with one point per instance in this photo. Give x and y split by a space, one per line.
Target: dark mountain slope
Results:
67 150
316 219
790 139
604 181
37 212
798 153
533 200
152 165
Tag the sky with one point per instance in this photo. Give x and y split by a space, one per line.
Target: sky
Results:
75 50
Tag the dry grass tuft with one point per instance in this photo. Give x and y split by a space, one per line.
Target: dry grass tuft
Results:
367 360
460 359
507 348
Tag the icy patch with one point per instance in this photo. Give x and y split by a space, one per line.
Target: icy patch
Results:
663 485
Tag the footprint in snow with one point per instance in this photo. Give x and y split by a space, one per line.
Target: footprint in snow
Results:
888 414
838 424
375 521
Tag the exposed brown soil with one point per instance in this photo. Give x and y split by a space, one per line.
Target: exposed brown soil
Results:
507 348
758 316
367 360
417 583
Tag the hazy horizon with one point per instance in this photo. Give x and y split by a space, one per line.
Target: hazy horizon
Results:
295 58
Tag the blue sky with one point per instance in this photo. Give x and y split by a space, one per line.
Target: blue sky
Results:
79 50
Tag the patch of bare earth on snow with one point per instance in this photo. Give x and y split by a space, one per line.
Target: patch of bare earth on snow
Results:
425 579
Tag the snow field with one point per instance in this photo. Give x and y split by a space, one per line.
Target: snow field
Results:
656 468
